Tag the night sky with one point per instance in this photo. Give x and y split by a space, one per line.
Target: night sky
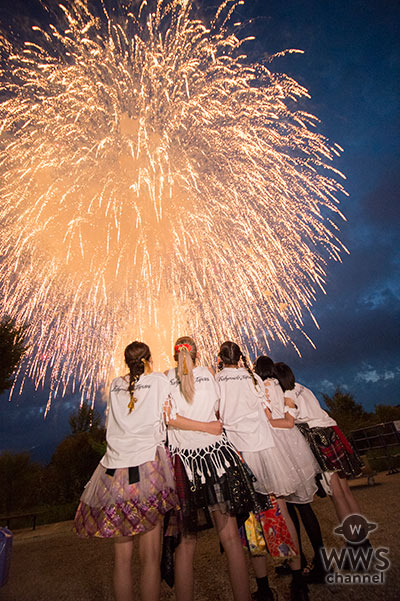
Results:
351 67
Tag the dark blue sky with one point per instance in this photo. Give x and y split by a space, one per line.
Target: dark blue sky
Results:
351 67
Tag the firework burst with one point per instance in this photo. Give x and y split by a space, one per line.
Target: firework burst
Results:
155 183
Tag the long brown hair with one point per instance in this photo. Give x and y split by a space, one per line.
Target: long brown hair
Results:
185 352
136 356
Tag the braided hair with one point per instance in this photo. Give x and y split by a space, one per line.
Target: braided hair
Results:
230 354
137 354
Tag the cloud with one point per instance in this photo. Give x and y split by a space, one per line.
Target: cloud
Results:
370 374
357 344
328 386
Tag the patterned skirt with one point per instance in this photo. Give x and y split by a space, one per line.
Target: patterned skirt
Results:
332 450
267 532
127 501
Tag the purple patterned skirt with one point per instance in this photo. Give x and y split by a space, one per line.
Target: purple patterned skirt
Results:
127 501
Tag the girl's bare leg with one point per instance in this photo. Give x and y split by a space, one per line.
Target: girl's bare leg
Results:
228 533
339 498
260 567
259 563
184 581
123 582
149 551
350 498
295 563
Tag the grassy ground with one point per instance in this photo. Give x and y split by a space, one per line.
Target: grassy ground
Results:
52 564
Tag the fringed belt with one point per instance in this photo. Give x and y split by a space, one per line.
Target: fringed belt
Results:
217 457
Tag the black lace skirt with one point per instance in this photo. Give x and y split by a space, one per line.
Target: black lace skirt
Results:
208 479
215 477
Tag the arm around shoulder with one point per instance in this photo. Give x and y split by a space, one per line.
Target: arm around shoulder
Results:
282 422
184 423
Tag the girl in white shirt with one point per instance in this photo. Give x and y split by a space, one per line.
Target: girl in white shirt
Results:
133 487
328 443
282 421
211 476
247 427
286 436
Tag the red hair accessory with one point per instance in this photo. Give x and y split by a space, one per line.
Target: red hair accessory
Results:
179 347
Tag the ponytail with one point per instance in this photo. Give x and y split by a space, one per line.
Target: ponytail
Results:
185 355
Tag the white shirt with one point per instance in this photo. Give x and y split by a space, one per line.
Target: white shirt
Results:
276 401
203 408
133 438
308 408
242 411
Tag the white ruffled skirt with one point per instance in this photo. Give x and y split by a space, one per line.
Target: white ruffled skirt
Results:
286 470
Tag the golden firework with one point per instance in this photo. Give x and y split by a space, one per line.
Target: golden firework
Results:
155 183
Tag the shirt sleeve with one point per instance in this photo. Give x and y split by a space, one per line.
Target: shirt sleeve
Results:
293 395
294 412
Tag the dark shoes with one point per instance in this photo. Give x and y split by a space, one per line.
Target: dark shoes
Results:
299 592
284 569
314 573
269 595
314 576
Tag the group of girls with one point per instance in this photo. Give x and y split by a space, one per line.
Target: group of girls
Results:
232 452
289 403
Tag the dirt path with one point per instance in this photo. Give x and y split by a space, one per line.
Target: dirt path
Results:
52 564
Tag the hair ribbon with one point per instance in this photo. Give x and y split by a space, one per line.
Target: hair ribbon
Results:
183 345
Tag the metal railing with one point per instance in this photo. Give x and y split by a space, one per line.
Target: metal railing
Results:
378 437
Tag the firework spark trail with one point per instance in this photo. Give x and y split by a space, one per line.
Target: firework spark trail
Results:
155 183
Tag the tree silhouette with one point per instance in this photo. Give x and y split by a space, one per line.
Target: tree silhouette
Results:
12 349
77 456
346 412
71 466
85 419
387 413
20 480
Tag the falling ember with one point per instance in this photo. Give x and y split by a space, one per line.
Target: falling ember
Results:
155 183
